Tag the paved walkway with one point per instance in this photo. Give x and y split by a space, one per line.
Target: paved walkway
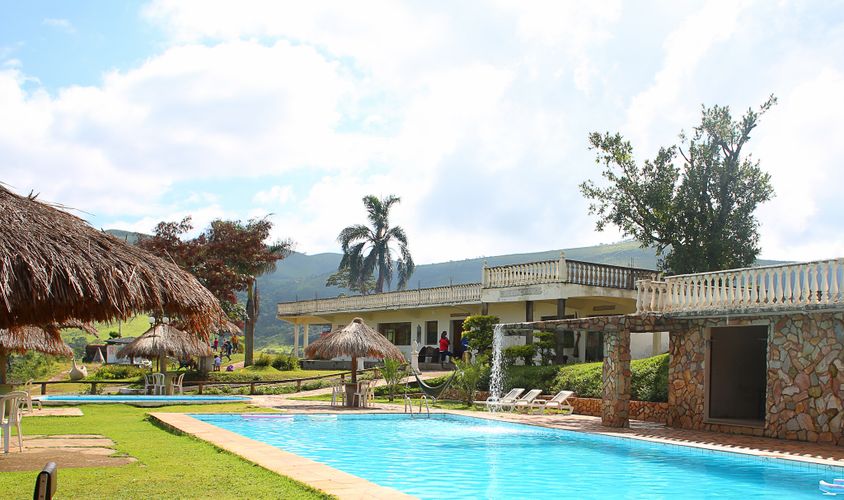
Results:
72 450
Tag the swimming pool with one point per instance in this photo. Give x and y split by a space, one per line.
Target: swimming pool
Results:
449 456
141 400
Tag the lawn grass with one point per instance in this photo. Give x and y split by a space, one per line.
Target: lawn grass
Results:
168 466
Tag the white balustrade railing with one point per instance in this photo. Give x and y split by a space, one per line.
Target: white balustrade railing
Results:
456 294
817 283
588 273
529 273
565 271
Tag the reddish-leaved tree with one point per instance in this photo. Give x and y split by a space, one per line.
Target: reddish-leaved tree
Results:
227 258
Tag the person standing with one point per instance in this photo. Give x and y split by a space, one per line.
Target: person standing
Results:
444 353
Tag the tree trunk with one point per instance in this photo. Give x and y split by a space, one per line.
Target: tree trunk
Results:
3 362
249 330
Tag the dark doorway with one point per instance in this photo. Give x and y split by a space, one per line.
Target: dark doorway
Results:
594 346
457 337
738 376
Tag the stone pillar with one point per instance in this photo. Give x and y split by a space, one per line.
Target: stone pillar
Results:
616 375
306 334
484 308
528 310
296 339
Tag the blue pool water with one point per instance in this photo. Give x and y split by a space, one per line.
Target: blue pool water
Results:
449 456
121 398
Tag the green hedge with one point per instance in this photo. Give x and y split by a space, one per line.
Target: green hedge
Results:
649 379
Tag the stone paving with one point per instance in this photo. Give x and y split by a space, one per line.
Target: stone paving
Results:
72 450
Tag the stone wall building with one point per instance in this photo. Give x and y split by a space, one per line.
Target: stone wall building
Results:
756 351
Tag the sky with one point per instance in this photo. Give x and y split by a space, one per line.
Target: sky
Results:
476 114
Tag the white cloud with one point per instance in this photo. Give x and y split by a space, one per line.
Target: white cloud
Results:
276 195
476 115
61 24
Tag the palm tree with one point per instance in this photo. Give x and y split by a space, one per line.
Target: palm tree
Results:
367 248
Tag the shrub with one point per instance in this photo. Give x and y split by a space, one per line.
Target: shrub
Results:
649 379
585 379
263 361
523 352
393 372
117 372
469 377
546 346
531 377
285 362
29 365
479 330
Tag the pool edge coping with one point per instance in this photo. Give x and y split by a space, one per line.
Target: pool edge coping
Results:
304 470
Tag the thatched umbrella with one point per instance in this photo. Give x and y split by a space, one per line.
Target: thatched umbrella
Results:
165 340
54 267
356 340
47 339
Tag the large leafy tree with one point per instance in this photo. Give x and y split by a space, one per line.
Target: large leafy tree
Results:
695 201
367 249
227 258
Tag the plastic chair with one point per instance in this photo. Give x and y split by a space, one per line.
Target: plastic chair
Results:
338 393
10 415
148 383
177 383
158 383
362 395
27 388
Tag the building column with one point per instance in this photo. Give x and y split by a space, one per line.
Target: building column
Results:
528 310
306 334
656 343
296 339
615 406
561 308
485 308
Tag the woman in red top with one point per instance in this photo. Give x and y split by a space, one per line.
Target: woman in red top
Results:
444 353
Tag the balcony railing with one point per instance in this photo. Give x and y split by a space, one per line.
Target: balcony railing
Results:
817 284
565 271
456 294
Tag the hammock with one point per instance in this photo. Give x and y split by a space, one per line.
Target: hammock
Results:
434 391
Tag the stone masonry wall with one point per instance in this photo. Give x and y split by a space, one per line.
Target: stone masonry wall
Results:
686 375
805 388
639 410
616 375
806 378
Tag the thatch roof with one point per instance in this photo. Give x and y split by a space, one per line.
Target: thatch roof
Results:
46 339
55 267
166 340
355 339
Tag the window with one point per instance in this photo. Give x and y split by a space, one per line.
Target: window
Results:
397 333
431 328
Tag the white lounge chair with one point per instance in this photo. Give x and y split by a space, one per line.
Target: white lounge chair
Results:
10 416
526 401
504 402
559 402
